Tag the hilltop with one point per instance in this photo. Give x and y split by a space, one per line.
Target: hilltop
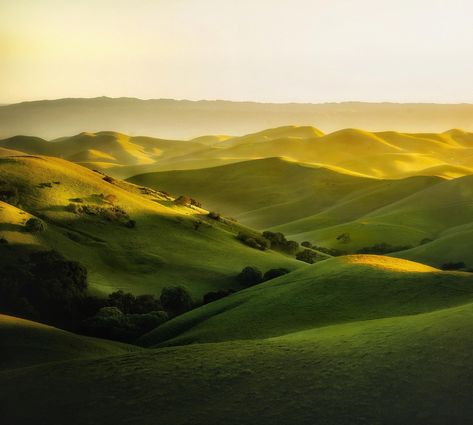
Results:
350 151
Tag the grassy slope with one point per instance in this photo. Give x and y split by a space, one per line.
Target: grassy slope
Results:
261 193
163 249
394 369
25 343
381 155
334 291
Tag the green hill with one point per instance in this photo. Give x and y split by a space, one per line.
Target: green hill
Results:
351 151
169 244
409 363
338 290
25 343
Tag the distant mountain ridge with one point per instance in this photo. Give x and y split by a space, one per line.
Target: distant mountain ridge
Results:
185 119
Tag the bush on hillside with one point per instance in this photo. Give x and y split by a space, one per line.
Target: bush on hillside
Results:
44 286
216 295
250 276
453 266
344 238
280 243
176 300
129 303
109 179
35 225
330 251
214 215
112 323
9 193
274 273
382 248
183 200
307 255
254 241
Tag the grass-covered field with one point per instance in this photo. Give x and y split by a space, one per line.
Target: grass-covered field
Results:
409 363
353 339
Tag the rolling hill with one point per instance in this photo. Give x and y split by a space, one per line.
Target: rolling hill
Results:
351 151
25 343
274 191
86 219
409 363
332 292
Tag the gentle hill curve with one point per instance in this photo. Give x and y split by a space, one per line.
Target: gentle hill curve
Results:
26 343
338 290
168 243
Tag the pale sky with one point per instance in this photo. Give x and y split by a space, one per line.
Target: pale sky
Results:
261 50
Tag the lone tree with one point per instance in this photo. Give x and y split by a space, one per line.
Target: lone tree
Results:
35 225
250 276
176 300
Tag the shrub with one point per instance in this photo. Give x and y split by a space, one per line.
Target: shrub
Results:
183 200
254 241
453 266
214 215
176 300
45 287
9 193
306 244
250 276
344 238
131 224
74 208
382 248
196 203
112 323
274 273
129 304
280 243
35 225
109 179
216 295
307 255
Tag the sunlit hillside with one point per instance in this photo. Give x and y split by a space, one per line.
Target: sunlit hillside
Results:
351 151
128 237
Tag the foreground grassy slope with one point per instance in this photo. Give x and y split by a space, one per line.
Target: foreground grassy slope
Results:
338 290
397 370
164 248
25 343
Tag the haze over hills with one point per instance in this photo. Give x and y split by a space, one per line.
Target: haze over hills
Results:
183 119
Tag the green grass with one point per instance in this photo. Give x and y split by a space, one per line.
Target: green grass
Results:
25 343
164 249
338 290
408 369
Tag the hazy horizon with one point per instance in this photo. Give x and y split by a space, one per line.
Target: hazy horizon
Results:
276 51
